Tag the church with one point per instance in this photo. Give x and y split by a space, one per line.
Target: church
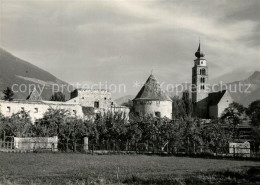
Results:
206 104
151 100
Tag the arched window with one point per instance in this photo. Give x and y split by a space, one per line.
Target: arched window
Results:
203 71
202 87
200 72
202 80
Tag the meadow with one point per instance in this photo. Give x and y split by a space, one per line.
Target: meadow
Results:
66 168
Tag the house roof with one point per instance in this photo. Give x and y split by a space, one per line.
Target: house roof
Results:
152 91
34 96
215 97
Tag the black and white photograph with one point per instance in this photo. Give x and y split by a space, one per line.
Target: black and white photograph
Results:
158 92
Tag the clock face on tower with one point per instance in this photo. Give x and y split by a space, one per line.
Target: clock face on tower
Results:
202 62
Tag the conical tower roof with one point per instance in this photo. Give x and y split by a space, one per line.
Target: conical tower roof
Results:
152 91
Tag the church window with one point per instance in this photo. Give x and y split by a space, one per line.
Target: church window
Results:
202 87
203 72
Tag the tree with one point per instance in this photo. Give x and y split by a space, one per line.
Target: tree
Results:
178 109
187 103
18 125
51 122
253 112
58 96
233 115
72 129
216 135
8 94
1 124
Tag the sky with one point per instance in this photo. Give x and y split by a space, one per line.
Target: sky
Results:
124 41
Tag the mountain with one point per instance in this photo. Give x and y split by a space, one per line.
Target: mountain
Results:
246 91
124 99
24 75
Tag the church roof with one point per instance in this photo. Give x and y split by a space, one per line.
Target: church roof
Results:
215 97
152 91
34 96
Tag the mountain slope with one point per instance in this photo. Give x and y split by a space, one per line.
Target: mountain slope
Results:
246 91
124 99
17 71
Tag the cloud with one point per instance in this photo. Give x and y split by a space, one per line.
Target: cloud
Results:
123 40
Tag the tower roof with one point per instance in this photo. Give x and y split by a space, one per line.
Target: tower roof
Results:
199 54
152 91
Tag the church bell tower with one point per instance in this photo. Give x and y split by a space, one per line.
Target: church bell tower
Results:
200 85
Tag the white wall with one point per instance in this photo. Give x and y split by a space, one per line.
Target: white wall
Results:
144 107
42 106
224 103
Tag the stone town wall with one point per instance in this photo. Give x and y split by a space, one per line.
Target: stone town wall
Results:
38 108
87 98
34 143
243 149
144 107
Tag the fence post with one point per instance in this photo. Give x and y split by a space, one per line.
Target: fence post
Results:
85 144
188 146
92 149
55 144
234 152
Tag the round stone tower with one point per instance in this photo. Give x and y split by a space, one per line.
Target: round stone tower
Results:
151 100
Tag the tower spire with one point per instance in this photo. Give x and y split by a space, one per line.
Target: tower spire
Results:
198 53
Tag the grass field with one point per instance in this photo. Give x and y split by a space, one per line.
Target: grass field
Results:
65 168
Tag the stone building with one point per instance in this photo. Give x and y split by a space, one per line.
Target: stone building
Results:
97 98
218 101
85 104
36 109
97 102
151 100
206 104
